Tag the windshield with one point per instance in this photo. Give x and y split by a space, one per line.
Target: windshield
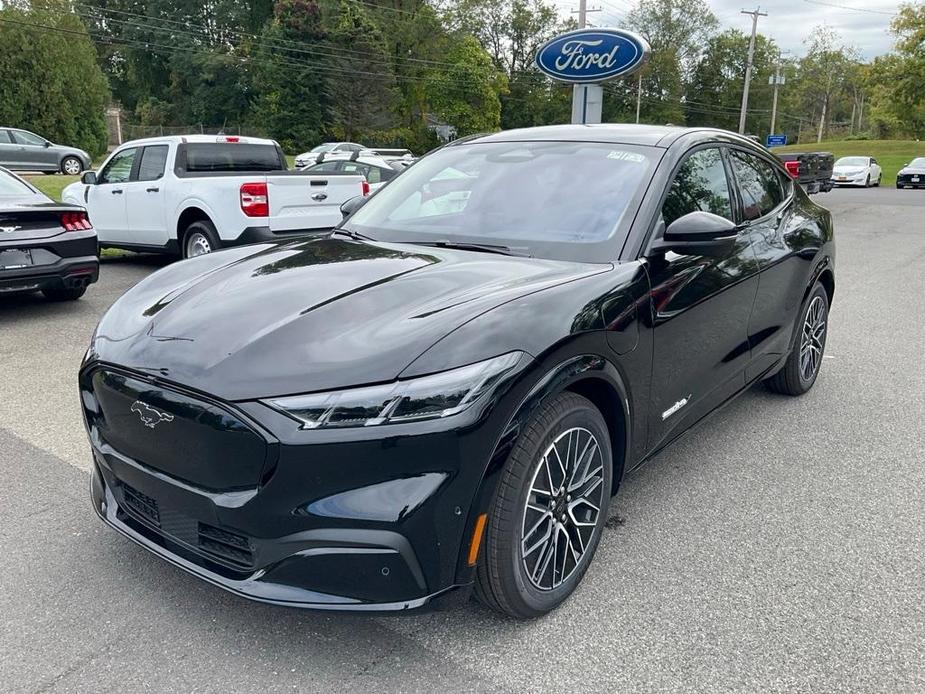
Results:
918 162
10 185
561 200
852 161
326 147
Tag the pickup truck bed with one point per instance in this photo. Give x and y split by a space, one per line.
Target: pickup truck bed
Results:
814 169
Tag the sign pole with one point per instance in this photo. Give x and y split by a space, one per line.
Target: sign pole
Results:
587 99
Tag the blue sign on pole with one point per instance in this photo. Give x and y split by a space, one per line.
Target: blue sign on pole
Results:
586 56
777 140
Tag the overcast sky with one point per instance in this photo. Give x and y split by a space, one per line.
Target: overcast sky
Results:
789 21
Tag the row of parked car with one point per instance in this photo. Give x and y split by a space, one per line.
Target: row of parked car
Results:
185 195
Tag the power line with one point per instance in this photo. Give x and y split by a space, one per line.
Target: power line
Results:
748 68
849 7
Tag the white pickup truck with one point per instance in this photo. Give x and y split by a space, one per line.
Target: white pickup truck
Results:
195 194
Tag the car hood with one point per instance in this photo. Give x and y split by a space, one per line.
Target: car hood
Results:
912 170
849 170
269 319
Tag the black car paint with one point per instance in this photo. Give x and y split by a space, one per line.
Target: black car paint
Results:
60 258
381 517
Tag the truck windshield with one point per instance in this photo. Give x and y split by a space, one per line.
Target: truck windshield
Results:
561 200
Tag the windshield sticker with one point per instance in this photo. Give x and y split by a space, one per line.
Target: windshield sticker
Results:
622 155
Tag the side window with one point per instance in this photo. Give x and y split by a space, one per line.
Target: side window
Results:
5 137
153 161
699 185
374 174
119 168
21 137
324 167
355 168
873 161
349 147
758 183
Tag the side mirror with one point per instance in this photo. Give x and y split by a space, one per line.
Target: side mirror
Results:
47 143
352 205
88 178
698 233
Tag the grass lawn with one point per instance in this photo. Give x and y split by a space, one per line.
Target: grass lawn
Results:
51 184
892 155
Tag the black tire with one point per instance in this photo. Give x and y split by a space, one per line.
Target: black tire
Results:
879 180
502 580
899 186
795 378
867 182
72 166
63 293
199 238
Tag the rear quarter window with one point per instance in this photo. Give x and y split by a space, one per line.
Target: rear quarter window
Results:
220 157
10 185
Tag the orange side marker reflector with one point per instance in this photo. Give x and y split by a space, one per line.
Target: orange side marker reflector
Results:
477 538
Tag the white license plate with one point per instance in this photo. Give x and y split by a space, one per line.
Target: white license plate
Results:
915 179
842 178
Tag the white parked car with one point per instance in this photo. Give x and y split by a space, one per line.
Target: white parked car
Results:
308 157
857 171
197 193
377 170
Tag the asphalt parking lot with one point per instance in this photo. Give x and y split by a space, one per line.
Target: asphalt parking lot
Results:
780 546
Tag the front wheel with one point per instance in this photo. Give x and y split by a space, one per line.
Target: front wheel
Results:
200 238
546 520
802 366
72 166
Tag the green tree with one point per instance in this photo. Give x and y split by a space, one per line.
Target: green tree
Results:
465 93
825 75
50 81
676 30
291 100
894 82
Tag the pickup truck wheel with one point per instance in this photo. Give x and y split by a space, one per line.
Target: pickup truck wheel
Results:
200 238
71 166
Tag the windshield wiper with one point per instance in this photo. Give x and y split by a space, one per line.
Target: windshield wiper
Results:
355 235
465 246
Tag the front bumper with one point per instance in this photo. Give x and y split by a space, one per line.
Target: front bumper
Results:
333 520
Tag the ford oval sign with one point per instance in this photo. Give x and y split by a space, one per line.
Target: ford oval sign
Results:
592 55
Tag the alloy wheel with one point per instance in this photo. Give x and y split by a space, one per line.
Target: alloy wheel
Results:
197 244
812 341
562 509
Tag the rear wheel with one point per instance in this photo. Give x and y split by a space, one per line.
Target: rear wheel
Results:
63 293
71 166
546 520
200 238
802 367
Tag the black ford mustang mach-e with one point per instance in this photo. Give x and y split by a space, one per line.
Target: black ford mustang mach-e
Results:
445 392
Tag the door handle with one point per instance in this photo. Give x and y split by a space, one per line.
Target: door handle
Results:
117 191
152 190
320 196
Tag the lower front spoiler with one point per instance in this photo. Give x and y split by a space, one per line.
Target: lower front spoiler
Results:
252 587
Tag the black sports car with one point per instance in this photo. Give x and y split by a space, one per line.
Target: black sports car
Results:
912 175
445 392
44 245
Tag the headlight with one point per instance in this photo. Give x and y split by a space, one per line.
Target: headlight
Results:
428 397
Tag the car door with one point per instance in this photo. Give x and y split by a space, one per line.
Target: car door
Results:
106 199
145 198
700 305
33 150
778 232
876 172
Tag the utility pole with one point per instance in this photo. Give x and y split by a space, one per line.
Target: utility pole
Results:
587 99
748 68
638 96
777 79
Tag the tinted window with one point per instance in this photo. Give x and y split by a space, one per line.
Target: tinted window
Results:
220 156
23 138
700 185
119 167
152 163
758 184
324 167
10 185
548 199
5 137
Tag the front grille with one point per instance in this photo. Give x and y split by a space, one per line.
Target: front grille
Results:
141 504
231 547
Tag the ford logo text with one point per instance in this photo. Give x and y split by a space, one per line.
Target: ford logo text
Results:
592 55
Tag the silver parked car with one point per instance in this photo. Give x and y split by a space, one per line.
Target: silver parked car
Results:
22 150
